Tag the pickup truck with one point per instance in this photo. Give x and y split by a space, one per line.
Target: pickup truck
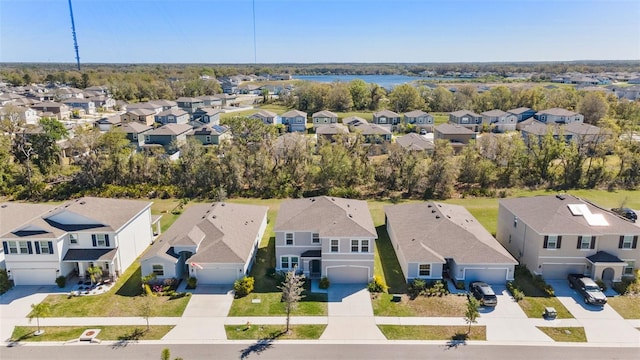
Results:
588 288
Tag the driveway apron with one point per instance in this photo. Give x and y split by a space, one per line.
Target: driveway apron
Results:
350 314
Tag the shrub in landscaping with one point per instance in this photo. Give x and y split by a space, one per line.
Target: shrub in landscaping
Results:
416 288
324 283
601 284
515 292
628 285
244 286
147 290
192 283
61 281
460 285
5 283
377 285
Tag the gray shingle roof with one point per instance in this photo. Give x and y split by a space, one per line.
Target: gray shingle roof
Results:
518 111
461 113
134 128
494 113
90 254
413 141
557 112
325 113
550 214
174 112
387 113
171 129
329 216
294 113
447 128
415 113
332 129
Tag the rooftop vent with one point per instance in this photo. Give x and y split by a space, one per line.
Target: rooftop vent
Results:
213 217
3 206
429 205
437 216
221 204
433 211
350 215
82 202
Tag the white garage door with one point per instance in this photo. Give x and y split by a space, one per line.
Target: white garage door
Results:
348 275
34 276
217 276
560 271
490 276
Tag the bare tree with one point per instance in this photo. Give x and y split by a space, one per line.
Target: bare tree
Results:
292 288
146 310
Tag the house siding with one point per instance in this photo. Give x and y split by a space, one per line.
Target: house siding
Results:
133 239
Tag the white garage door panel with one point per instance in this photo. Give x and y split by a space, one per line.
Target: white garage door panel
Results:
348 275
34 276
560 271
490 276
217 276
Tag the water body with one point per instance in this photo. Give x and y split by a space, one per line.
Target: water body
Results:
386 81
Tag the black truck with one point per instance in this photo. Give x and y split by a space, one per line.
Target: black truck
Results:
590 291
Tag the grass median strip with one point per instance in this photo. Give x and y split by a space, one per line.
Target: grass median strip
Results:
433 332
565 334
67 333
273 332
448 305
270 304
627 306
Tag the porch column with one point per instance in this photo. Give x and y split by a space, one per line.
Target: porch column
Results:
81 270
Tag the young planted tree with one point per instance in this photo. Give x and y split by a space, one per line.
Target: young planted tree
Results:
38 311
292 288
471 314
146 310
95 274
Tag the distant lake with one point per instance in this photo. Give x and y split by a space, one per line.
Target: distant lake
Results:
386 81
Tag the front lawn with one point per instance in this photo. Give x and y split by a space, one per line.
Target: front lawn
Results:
123 299
273 332
434 306
433 332
565 334
66 333
535 299
270 305
628 306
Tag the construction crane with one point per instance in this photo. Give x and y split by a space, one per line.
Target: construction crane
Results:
75 39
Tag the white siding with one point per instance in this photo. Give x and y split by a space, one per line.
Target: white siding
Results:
133 239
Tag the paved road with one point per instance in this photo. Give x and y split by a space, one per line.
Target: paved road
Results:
281 351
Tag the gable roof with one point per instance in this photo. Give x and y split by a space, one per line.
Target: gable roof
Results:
134 127
557 112
585 129
415 113
461 113
332 129
550 214
174 112
371 129
187 99
495 113
329 216
413 141
111 119
432 231
141 112
14 214
354 120
387 113
518 111
223 232
171 129
294 113
447 128
264 114
324 113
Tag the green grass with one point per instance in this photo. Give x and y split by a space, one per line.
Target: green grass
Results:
124 299
535 300
627 306
565 334
66 333
433 332
164 207
270 305
440 118
273 332
448 306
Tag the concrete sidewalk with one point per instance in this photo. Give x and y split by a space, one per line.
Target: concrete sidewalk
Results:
350 315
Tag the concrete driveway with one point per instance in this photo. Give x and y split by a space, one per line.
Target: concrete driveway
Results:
204 317
350 314
601 323
15 305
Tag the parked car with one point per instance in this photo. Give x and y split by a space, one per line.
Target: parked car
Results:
590 291
423 131
626 213
484 293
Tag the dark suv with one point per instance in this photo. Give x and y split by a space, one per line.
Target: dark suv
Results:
483 292
626 213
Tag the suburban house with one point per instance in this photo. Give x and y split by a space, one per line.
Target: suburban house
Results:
207 115
172 116
386 118
562 234
26 114
420 119
52 109
215 243
87 105
103 101
372 133
168 136
44 242
457 135
108 122
586 135
267 117
501 120
558 116
466 118
210 134
189 104
228 99
164 104
329 132
155 106
354 120
537 130
142 116
522 113
135 132
288 143
211 101
324 117
434 241
415 142
326 236
295 120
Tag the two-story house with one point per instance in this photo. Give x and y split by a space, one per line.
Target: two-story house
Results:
267 117
372 133
295 120
330 132
210 134
172 116
67 239
134 131
416 142
558 116
164 104
87 105
562 234
501 120
107 123
326 236
211 101
420 119
169 136
189 104
207 115
52 109
522 113
386 118
466 118
457 135
142 116
324 117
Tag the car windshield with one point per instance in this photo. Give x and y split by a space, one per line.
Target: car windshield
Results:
591 288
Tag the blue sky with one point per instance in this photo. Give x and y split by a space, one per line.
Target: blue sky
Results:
312 31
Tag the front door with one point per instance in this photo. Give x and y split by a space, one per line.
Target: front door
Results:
607 274
315 267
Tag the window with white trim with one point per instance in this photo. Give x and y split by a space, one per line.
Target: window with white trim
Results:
355 246
101 240
288 238
364 246
335 245
315 238
44 247
585 242
284 262
627 242
24 248
289 262
552 242
424 270
628 270
12 247
158 269
73 238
